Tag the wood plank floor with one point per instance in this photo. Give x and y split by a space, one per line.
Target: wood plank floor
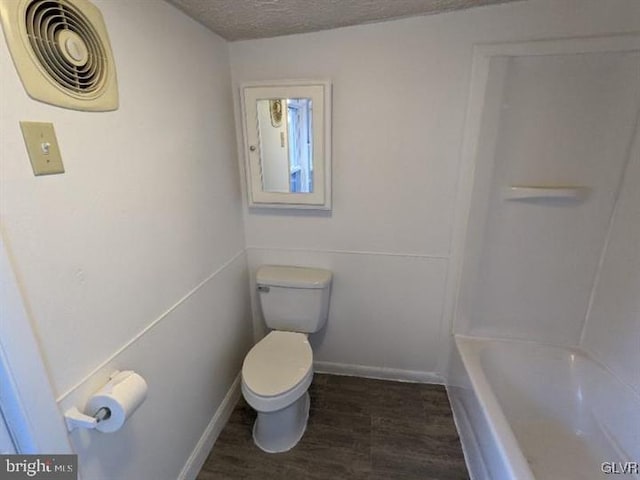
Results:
358 429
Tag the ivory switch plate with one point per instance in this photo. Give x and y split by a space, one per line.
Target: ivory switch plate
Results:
42 147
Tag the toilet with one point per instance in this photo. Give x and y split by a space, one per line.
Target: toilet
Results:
278 370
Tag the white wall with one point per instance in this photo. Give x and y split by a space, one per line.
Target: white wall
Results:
399 100
612 330
134 258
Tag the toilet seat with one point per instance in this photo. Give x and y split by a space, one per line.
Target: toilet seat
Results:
277 370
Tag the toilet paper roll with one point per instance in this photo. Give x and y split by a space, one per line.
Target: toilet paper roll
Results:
124 393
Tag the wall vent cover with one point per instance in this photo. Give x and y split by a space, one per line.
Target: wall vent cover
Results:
61 52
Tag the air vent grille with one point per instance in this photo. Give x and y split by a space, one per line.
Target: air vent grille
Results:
68 47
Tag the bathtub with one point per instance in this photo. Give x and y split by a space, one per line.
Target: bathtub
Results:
528 411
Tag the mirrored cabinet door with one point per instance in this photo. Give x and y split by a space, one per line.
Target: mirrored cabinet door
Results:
287 137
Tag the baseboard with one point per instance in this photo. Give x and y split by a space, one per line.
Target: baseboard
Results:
380 373
210 435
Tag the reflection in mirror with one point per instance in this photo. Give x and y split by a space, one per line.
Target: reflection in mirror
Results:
286 150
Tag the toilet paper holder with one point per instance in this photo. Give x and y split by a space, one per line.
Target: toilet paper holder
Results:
74 418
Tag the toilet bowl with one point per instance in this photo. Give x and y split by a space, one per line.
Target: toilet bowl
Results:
278 370
276 375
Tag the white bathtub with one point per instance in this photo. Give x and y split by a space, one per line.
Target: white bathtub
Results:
528 411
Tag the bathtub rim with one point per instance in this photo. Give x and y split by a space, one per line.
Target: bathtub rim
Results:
574 349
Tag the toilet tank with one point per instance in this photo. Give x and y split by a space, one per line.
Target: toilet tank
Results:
294 299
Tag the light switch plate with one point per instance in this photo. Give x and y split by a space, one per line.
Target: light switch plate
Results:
42 147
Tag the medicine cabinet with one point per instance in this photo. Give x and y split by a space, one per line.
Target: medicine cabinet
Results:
287 143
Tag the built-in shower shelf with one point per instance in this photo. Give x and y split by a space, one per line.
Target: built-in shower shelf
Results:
539 192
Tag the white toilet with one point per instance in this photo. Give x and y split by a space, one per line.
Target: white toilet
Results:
278 370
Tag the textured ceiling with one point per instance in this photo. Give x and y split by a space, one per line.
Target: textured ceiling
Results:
244 19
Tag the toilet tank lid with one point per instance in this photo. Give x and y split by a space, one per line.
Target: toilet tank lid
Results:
293 277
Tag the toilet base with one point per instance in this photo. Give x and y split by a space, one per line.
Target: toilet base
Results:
280 431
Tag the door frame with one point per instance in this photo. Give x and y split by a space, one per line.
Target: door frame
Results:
28 403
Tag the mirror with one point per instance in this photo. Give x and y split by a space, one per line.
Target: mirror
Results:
287 144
